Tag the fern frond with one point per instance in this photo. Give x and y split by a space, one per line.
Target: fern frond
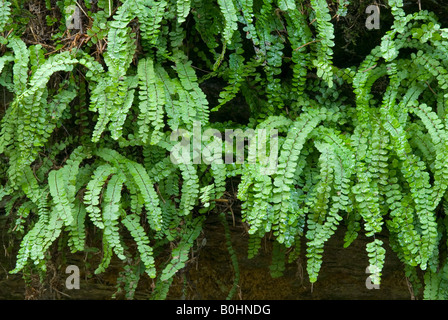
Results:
190 188
228 10
146 253
111 213
93 190
77 232
288 160
150 15
277 266
107 256
439 138
21 60
326 35
152 100
57 180
183 9
146 188
5 13
179 255
376 254
189 82
414 172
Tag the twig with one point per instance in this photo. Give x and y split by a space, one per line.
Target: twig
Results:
369 68
158 191
42 44
430 87
79 6
410 288
303 45
67 295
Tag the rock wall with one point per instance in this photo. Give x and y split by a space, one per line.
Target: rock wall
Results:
209 274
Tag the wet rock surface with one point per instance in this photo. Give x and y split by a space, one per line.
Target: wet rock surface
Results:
342 276
209 274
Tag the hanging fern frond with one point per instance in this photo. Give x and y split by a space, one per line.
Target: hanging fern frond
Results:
193 93
57 181
146 188
146 253
150 15
288 161
92 195
180 253
326 35
228 10
111 213
183 9
152 100
5 13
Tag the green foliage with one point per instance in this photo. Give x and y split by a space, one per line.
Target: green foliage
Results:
138 233
151 100
5 13
85 136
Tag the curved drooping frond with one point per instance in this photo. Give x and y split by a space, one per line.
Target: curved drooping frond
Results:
152 100
5 13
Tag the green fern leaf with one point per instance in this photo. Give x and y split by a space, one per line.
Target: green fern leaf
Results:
146 253
228 10
146 187
5 13
152 100
92 195
111 213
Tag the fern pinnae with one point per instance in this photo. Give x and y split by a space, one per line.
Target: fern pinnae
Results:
189 81
228 10
179 255
326 35
27 245
4 61
21 60
183 9
439 137
111 213
107 256
151 15
286 5
146 187
57 184
376 254
92 195
152 100
119 116
418 179
289 155
77 232
5 13
256 208
190 188
30 185
402 224
316 218
170 91
246 7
